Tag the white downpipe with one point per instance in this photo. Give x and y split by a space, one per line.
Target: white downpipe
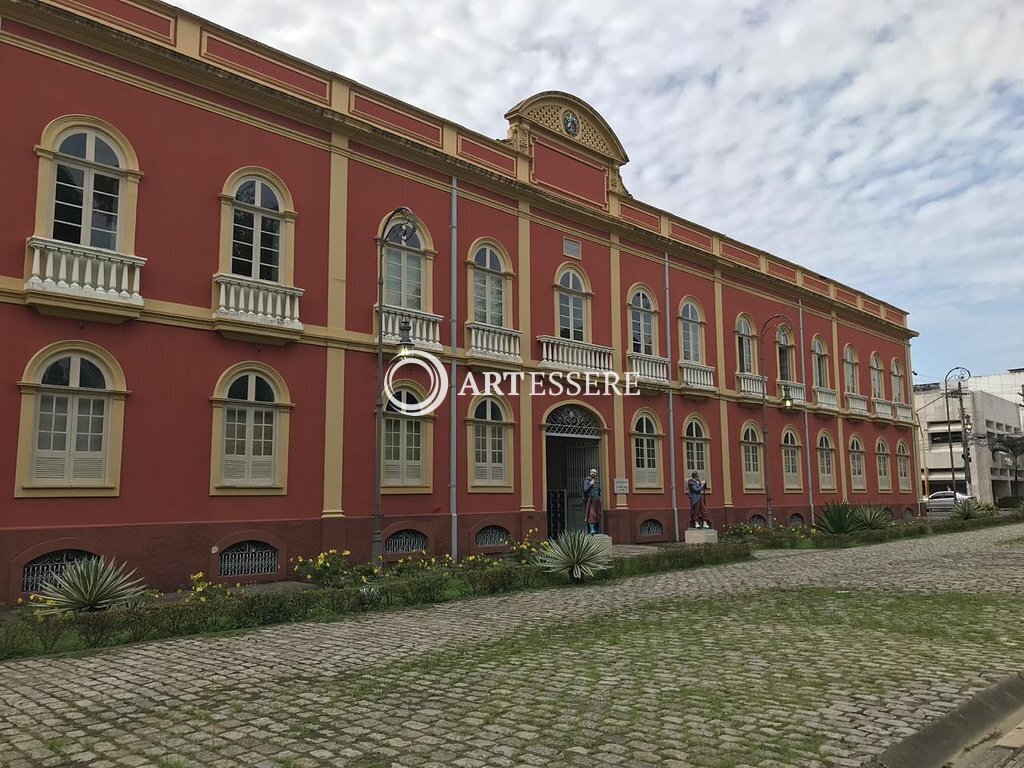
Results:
453 500
671 406
808 445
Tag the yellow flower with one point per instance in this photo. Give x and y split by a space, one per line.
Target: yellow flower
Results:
364 579
20 601
345 553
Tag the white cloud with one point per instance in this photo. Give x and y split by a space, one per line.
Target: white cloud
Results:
881 143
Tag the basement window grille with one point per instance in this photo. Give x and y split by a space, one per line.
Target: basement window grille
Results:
248 558
651 528
49 566
405 542
492 536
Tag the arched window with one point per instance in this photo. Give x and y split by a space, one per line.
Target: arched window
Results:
695 449
493 536
750 441
250 431
405 542
897 382
490 450
758 521
787 358
403 443
488 287
745 342
791 460
256 234
877 378
882 461
851 370
404 265
903 465
72 419
646 448
641 323
49 567
858 477
819 363
572 303
826 463
796 519
88 191
692 334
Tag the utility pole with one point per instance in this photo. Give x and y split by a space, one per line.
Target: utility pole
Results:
965 441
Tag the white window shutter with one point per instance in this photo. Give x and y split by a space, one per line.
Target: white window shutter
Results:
86 465
261 470
481 472
50 466
234 469
497 474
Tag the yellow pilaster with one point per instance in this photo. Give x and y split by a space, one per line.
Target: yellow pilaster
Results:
618 415
723 405
527 428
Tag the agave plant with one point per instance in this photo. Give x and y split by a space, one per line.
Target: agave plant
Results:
874 516
90 585
576 554
966 509
839 518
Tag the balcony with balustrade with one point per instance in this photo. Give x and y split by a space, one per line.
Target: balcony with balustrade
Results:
750 387
256 310
904 413
425 328
83 282
650 371
796 392
697 380
856 405
881 409
566 355
826 399
493 344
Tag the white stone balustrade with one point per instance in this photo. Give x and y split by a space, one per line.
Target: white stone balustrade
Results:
697 377
750 384
881 408
258 301
856 404
904 413
494 342
796 390
826 398
80 270
648 367
425 328
563 354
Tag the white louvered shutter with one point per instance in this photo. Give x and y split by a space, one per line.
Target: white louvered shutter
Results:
87 454
50 461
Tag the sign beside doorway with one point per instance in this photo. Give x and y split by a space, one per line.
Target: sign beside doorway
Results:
621 485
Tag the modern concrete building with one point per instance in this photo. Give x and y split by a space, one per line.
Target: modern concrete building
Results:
1009 386
981 416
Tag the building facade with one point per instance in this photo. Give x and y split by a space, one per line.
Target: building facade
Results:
982 417
175 194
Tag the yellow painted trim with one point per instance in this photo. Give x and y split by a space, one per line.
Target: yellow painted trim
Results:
509 431
618 349
507 274
426 446
659 442
841 468
655 311
334 428
282 408
24 487
723 404
800 456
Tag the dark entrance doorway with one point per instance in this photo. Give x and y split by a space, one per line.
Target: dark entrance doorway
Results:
573 448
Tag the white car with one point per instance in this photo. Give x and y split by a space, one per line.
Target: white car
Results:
940 503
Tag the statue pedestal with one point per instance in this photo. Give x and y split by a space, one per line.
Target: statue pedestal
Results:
604 541
701 536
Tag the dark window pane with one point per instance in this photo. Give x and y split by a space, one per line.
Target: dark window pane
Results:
74 145
269 272
90 376
72 176
68 214
268 199
67 233
101 239
239 389
68 194
104 221
108 185
246 193
105 154
58 373
264 392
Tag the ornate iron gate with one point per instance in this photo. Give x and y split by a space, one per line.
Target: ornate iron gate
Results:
573 448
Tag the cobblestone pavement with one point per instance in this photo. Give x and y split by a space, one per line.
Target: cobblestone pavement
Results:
812 659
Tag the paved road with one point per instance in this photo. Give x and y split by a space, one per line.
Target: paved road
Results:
733 667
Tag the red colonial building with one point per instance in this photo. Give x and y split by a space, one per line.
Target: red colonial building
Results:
193 224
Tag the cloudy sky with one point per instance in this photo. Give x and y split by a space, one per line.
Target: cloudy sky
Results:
881 143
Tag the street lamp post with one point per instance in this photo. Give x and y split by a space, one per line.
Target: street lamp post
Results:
781 321
961 374
404 345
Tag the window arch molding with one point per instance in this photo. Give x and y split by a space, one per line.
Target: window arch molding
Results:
851 370
877 377
785 349
746 345
281 407
642 315
903 466
752 456
402 256
48 152
488 428
484 277
286 253
898 381
857 460
883 465
114 393
572 297
826 451
647 438
792 476
400 431
692 325
696 438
